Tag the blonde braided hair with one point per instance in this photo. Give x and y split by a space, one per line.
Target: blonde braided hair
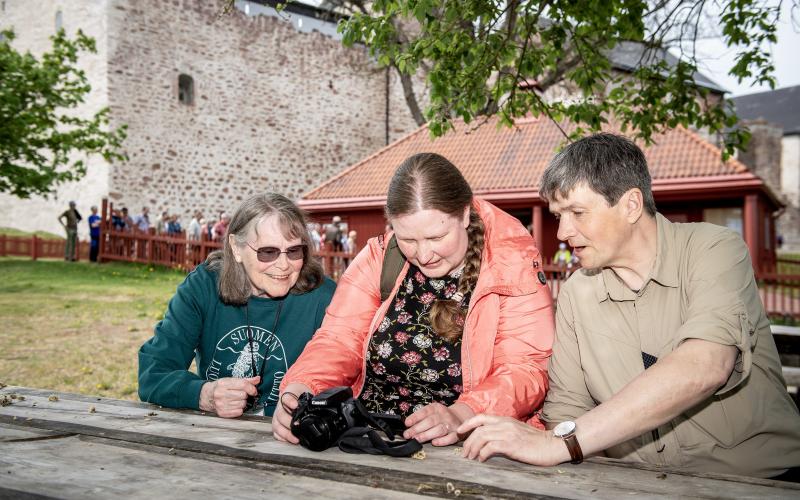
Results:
447 316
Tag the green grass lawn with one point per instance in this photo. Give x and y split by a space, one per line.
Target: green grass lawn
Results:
77 327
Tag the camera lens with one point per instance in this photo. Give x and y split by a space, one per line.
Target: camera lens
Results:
316 433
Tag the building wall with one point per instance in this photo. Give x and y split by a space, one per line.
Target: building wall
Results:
276 107
789 222
34 24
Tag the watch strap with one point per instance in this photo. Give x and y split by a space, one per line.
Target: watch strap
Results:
575 452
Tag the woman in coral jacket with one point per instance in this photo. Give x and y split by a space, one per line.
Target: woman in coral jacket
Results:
467 328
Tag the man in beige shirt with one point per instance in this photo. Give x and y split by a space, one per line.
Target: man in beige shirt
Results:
663 351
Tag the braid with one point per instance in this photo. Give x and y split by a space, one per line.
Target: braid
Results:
447 316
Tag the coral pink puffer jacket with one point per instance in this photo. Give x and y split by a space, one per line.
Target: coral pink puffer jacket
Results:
508 331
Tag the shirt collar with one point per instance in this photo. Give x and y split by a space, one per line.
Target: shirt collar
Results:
665 268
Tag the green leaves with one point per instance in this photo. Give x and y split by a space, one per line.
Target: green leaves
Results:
43 140
611 59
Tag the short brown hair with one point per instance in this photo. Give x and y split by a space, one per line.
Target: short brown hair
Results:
609 164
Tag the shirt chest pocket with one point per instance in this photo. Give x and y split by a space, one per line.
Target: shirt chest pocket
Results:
609 361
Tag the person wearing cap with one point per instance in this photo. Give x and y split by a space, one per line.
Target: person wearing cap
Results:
663 350
70 219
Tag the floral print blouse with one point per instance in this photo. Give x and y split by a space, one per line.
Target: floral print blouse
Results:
408 365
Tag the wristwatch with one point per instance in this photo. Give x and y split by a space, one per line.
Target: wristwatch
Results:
566 431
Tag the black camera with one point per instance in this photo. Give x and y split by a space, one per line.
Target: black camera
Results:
319 421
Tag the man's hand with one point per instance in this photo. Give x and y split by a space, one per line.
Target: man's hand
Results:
506 436
437 423
227 397
282 419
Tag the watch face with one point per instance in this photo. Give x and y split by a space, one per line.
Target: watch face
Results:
564 428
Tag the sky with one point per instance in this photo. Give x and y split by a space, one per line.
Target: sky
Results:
717 59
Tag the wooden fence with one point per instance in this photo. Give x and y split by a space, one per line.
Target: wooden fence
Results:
786 265
146 248
39 248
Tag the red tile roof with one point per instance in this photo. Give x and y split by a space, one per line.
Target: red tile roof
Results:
497 160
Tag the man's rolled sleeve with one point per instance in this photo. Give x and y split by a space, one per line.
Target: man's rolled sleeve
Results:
717 313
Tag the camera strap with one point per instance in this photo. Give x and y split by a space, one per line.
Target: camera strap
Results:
367 440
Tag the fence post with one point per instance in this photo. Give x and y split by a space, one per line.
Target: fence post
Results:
3 245
34 247
101 244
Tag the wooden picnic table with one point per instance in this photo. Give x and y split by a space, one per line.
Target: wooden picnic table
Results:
60 445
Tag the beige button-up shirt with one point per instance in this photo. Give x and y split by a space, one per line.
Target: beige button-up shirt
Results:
702 286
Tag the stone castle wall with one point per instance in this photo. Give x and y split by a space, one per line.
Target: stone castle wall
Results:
789 221
275 108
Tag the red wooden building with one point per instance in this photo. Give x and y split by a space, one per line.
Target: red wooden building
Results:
690 182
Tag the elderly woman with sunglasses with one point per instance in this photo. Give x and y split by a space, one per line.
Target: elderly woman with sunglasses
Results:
244 315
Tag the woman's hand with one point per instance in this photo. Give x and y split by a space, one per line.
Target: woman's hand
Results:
227 397
282 419
437 423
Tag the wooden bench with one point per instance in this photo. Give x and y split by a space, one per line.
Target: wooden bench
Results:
789 331
792 376
72 446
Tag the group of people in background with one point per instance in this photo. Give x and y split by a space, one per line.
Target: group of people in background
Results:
165 224
333 236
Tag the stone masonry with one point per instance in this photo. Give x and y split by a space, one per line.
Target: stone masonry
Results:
274 109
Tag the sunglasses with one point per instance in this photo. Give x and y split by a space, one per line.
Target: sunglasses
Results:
271 254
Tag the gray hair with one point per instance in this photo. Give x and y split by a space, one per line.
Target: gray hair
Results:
233 285
609 164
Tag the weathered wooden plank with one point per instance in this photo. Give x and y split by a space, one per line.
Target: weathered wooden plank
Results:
10 432
250 440
377 477
76 468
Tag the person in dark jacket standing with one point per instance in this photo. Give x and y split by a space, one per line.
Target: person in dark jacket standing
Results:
94 234
246 314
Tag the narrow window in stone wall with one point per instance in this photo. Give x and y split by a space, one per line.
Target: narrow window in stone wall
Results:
59 20
185 90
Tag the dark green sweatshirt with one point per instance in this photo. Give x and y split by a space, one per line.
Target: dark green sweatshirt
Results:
199 326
